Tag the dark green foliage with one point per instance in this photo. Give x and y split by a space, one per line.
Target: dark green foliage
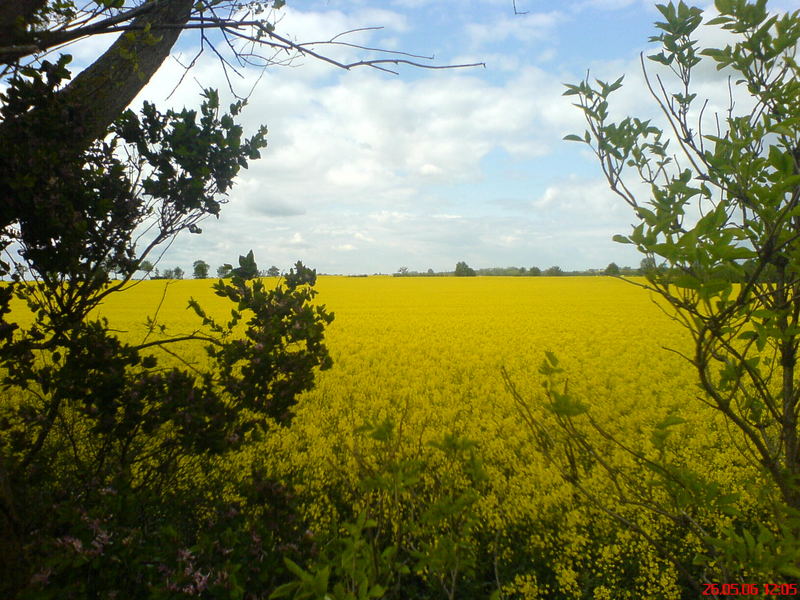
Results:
502 271
187 174
554 271
418 534
200 269
464 270
515 272
247 269
176 273
146 267
282 344
106 451
350 568
428 273
61 205
71 221
114 477
612 269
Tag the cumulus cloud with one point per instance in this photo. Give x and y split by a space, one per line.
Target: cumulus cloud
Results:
354 160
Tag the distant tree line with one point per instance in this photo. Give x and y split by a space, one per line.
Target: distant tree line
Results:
247 269
464 270
154 273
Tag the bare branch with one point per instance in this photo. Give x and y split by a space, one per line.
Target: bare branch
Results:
184 338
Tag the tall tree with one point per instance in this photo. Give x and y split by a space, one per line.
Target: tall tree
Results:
247 269
224 271
146 267
201 268
464 270
721 203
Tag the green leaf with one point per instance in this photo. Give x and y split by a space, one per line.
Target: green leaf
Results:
661 58
687 281
734 252
572 138
549 365
296 570
565 406
321 580
659 436
616 85
790 570
713 287
285 590
647 215
671 421
551 358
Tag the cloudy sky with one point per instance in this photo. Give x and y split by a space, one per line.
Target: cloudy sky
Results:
367 172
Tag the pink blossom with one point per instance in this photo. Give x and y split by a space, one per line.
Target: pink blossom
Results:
42 577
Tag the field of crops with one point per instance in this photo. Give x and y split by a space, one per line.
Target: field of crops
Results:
416 399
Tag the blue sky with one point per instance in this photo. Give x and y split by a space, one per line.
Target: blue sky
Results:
367 172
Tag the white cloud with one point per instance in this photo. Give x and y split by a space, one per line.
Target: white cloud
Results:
530 28
583 202
610 4
363 142
297 240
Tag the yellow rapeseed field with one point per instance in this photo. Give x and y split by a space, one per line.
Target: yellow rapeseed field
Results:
425 354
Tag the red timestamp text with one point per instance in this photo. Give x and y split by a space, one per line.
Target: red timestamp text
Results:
750 589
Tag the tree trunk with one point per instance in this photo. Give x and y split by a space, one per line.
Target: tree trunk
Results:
105 89
13 19
34 144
